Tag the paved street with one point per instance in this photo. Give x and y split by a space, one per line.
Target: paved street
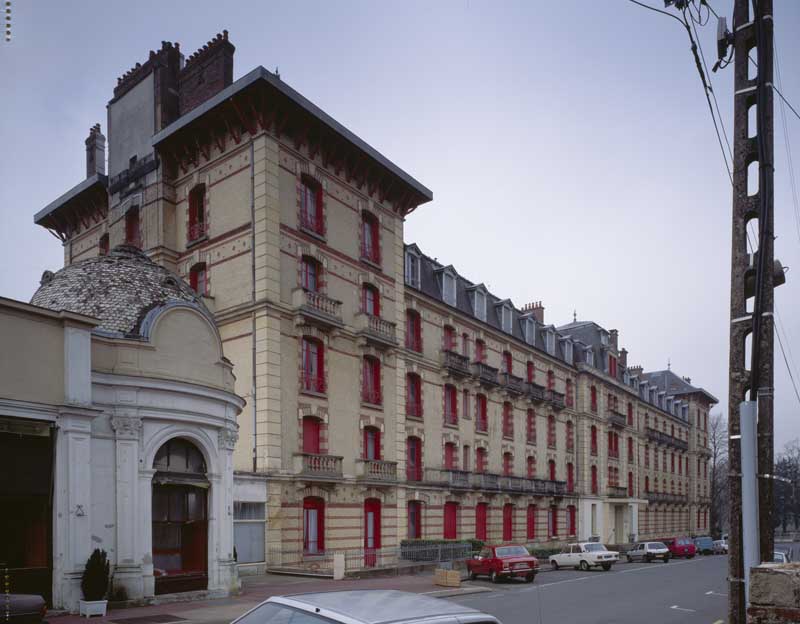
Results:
679 591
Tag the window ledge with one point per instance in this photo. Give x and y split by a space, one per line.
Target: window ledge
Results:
375 406
372 263
482 432
451 425
508 437
416 418
313 233
313 393
196 241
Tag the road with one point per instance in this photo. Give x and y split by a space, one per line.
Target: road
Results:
684 591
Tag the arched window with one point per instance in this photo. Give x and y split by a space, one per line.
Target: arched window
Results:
372 443
311 202
310 274
570 436
508 464
179 455
312 427
594 480
370 300
370 238
449 338
414 519
481 418
450 404
551 470
371 380
508 362
198 228
313 525
313 365
551 431
570 477
552 521
413 331
103 245
508 522
413 459
466 458
508 420
197 278
480 459
413 395
450 456
594 398
593 446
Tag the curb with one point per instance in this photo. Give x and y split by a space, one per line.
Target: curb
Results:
448 593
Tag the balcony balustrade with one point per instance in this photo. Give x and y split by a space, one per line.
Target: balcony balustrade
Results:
455 363
449 477
617 491
616 419
485 374
512 383
664 438
376 330
556 399
376 470
664 497
318 308
534 392
318 466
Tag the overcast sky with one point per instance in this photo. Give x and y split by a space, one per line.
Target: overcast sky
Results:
568 145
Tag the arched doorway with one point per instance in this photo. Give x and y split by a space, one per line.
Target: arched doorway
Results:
180 518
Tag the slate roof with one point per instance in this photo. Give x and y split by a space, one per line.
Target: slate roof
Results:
118 289
673 385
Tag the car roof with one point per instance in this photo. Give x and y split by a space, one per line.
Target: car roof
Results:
378 606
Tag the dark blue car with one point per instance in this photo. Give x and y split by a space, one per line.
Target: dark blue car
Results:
704 545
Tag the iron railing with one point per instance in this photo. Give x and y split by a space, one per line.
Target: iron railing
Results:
455 363
512 383
534 391
485 374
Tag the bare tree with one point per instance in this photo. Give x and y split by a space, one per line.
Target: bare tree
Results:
787 488
718 442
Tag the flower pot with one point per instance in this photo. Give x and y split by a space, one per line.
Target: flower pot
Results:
93 607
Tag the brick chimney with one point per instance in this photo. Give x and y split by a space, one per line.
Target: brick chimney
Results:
636 371
536 309
207 72
95 152
623 357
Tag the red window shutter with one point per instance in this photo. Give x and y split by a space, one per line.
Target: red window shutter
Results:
552 466
531 372
450 520
531 522
508 522
570 478
571 510
311 435
480 521
449 456
594 479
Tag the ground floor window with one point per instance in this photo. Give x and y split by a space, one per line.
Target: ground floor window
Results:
450 520
552 521
571 520
480 521
414 520
313 525
249 526
531 524
508 522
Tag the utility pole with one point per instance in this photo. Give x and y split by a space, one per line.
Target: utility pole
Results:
750 393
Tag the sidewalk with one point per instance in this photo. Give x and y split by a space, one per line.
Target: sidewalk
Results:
255 589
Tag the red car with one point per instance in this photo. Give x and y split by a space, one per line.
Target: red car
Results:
508 561
680 547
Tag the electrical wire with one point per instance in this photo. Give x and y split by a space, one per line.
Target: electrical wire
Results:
779 92
788 146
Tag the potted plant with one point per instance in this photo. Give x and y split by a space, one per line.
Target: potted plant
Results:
95 584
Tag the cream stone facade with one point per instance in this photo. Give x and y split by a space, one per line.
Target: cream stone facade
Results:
291 229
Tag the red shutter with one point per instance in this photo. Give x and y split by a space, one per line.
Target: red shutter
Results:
450 520
449 456
630 484
480 521
311 435
570 478
508 522
531 522
571 511
594 479
552 470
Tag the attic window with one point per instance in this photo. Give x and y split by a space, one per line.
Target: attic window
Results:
530 331
506 318
412 269
449 288
604 338
479 304
551 342
590 357
568 351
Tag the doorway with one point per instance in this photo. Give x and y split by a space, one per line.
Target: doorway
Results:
372 531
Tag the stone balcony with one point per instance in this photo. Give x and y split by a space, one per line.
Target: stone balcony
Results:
512 384
318 309
617 491
376 330
318 466
664 438
664 497
376 470
455 363
534 392
448 477
556 399
485 374
616 419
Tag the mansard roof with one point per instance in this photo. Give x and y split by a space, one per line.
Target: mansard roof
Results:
667 381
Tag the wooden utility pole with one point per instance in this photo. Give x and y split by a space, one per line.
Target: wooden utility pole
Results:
752 276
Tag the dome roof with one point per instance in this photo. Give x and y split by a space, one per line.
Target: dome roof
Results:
118 289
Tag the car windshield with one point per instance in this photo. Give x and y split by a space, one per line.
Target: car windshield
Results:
593 547
655 545
271 613
511 551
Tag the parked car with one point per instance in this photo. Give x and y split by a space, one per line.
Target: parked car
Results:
584 555
23 608
373 606
781 557
680 547
720 547
704 545
498 562
648 551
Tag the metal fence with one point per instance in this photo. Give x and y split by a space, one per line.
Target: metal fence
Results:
357 559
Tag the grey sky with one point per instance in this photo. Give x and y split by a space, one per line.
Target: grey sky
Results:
568 145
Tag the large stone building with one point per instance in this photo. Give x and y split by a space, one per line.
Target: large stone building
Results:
387 396
117 429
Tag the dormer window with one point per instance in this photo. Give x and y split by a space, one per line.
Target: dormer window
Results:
412 269
568 351
604 338
551 342
449 288
479 304
505 318
590 357
530 331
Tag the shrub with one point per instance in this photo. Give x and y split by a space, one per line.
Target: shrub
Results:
94 582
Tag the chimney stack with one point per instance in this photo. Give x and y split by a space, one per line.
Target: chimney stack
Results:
536 309
95 152
206 72
636 371
623 357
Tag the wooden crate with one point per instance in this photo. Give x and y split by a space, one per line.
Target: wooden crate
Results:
447 578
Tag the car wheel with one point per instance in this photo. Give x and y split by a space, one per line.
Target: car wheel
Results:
606 566
648 558
529 578
666 559
584 566
472 576
495 577
554 565
690 556
630 559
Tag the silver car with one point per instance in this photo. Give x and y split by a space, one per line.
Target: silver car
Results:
374 606
648 551
781 557
720 547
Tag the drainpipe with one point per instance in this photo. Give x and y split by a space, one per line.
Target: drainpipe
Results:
253 297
